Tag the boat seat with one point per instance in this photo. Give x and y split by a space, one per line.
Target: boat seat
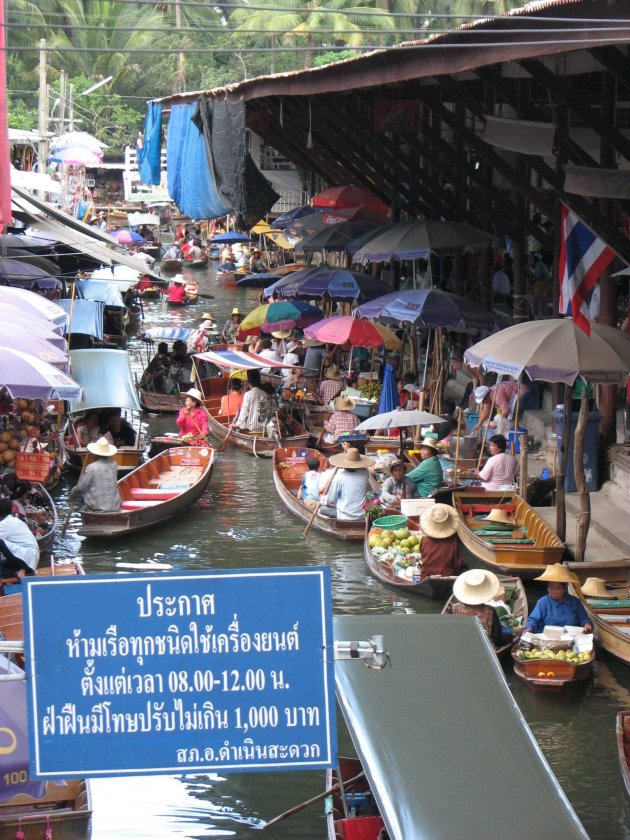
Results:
160 494
139 504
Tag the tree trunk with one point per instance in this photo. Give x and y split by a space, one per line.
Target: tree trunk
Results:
584 516
561 512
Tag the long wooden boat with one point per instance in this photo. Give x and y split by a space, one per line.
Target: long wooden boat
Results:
171 266
514 595
610 618
197 265
127 458
351 810
228 278
552 676
156 403
289 465
623 747
526 550
44 529
150 293
166 486
436 587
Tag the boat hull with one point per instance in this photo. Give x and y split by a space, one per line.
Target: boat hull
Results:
197 265
171 266
159 403
623 747
567 675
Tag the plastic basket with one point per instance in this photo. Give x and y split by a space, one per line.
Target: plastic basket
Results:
390 523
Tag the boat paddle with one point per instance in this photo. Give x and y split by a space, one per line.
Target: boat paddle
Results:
319 504
223 443
297 808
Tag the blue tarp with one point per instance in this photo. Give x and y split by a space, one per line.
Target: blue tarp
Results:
190 182
149 154
107 293
87 317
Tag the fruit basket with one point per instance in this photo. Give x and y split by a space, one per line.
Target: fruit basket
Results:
390 523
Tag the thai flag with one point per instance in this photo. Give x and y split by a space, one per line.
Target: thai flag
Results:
583 259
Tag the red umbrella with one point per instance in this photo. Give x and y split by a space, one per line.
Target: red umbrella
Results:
344 328
349 196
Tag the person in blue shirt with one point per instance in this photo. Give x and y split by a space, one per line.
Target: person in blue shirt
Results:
557 607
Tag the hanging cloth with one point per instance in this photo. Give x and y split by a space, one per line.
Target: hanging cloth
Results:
149 154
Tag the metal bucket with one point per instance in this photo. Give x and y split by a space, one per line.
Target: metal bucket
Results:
467 447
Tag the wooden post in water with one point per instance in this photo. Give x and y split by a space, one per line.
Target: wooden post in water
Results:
584 515
561 512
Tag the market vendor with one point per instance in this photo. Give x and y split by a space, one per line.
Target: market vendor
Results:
472 591
503 396
19 552
557 607
98 485
177 290
500 468
192 418
428 474
397 486
440 547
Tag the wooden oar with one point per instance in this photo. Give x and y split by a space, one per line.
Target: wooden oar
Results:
319 504
223 443
297 808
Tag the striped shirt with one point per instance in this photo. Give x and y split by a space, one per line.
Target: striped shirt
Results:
328 389
340 422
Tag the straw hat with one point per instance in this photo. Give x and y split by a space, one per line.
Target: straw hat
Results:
332 372
439 521
595 587
103 448
281 333
207 316
557 573
194 393
476 587
236 311
481 392
179 280
344 404
430 443
393 464
500 516
313 342
351 460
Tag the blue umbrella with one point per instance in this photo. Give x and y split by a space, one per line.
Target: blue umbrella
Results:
297 213
328 281
231 237
257 281
389 393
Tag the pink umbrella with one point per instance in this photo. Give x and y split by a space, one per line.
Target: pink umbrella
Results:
344 328
77 156
127 237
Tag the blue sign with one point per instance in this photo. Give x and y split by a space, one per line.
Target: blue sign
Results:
219 671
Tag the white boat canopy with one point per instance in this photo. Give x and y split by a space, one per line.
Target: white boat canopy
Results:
106 378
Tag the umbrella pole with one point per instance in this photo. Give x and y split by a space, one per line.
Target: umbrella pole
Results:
584 516
485 430
402 443
426 360
516 414
371 365
561 512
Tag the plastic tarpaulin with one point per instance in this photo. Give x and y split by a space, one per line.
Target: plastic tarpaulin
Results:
149 154
107 293
237 177
191 183
86 316
106 379
238 360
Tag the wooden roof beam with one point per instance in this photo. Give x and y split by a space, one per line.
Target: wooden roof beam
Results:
616 62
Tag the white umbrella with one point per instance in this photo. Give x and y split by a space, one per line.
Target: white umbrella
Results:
399 418
34 305
78 138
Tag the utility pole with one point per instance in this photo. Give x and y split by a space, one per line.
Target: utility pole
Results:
180 77
71 109
62 101
42 122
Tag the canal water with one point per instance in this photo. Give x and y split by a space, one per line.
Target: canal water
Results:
241 523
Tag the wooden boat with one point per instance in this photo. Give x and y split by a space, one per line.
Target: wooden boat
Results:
351 810
515 597
552 675
171 266
226 277
289 465
610 618
525 550
166 486
623 747
436 587
197 265
43 520
150 293
156 403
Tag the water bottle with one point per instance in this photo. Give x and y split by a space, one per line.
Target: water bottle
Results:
417 574
502 424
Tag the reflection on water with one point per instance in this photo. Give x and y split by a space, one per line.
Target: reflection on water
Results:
241 523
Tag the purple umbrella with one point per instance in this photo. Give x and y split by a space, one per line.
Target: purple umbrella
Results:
28 342
328 281
14 319
34 306
293 215
23 375
12 271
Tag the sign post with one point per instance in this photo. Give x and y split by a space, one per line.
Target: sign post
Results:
225 671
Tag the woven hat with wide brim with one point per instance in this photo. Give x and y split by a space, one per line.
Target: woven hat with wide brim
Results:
476 586
103 448
332 372
430 443
595 587
501 516
439 521
207 316
481 392
344 404
351 460
281 333
195 393
179 280
557 573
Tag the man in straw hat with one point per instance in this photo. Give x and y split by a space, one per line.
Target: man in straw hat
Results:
557 607
98 484
397 486
428 474
341 420
473 589
348 490
440 547
331 385
231 327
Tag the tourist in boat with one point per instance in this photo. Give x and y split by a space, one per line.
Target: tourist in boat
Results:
194 252
172 253
228 261
231 403
348 489
205 334
192 418
119 431
331 385
310 487
428 474
500 468
251 417
440 547
267 351
256 262
177 291
473 589
87 429
503 396
98 486
557 607
397 486
155 376
181 369
341 420
229 333
19 552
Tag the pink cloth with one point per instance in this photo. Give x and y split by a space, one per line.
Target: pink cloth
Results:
192 424
503 395
498 471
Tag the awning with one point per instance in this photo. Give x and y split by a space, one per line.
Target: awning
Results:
238 360
526 136
106 379
594 181
136 219
168 334
441 738
86 316
107 293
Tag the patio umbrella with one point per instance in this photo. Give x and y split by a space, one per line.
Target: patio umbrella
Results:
257 281
13 319
306 225
24 242
292 215
15 270
77 156
328 281
25 376
399 419
31 258
77 138
127 237
429 308
342 329
349 196
230 238
279 315
389 393
34 305
415 239
14 741
34 345
336 237
359 242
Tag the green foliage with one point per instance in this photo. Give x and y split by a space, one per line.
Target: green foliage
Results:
330 57
21 116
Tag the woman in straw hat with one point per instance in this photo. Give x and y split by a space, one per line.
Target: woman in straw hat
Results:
341 420
192 418
177 290
98 485
231 327
440 547
348 490
557 607
428 474
473 589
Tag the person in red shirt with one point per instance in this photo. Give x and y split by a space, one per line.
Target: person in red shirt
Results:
231 403
177 291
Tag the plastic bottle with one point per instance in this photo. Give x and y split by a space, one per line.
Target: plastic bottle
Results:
502 424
